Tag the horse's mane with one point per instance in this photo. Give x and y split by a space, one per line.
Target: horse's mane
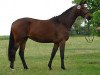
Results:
59 17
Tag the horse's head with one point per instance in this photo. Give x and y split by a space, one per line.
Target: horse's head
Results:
83 11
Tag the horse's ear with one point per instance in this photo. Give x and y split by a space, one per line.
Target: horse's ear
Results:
83 2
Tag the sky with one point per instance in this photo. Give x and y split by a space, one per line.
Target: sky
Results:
11 10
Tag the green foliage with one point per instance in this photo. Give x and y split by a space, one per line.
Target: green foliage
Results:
76 1
94 5
96 17
77 24
96 20
77 29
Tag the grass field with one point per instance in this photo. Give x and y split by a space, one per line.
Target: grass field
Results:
81 58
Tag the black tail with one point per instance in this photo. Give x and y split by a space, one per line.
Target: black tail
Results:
11 47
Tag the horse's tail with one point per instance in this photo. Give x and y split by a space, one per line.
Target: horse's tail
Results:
11 47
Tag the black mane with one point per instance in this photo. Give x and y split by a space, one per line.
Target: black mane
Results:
59 18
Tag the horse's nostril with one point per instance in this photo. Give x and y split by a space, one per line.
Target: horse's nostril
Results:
89 18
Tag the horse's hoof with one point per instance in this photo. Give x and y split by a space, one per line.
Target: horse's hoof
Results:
12 69
26 68
50 68
63 68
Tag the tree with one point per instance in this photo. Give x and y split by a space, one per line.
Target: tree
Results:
77 25
96 20
96 17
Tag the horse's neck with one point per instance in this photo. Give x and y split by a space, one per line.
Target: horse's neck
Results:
68 19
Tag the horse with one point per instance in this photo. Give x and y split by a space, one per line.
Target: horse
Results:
54 30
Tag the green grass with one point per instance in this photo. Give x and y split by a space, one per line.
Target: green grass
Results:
81 58
4 37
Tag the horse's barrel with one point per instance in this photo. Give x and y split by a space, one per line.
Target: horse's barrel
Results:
98 28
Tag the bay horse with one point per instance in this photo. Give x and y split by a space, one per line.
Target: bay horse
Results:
54 30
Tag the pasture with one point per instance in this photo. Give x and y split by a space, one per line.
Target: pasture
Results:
81 58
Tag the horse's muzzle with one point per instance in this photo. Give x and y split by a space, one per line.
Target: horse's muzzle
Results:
88 16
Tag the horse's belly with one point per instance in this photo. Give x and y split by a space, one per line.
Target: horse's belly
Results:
41 36
42 40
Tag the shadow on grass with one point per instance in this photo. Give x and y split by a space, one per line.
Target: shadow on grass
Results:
80 48
94 62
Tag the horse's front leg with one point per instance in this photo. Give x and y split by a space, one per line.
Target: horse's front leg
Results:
55 48
62 48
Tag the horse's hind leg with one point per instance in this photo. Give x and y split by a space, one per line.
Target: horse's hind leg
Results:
55 48
16 45
21 53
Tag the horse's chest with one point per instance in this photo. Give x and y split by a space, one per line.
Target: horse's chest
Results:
62 35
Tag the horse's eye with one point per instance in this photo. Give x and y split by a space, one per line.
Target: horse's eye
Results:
79 7
85 5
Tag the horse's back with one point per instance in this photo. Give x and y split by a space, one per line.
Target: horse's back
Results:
33 28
